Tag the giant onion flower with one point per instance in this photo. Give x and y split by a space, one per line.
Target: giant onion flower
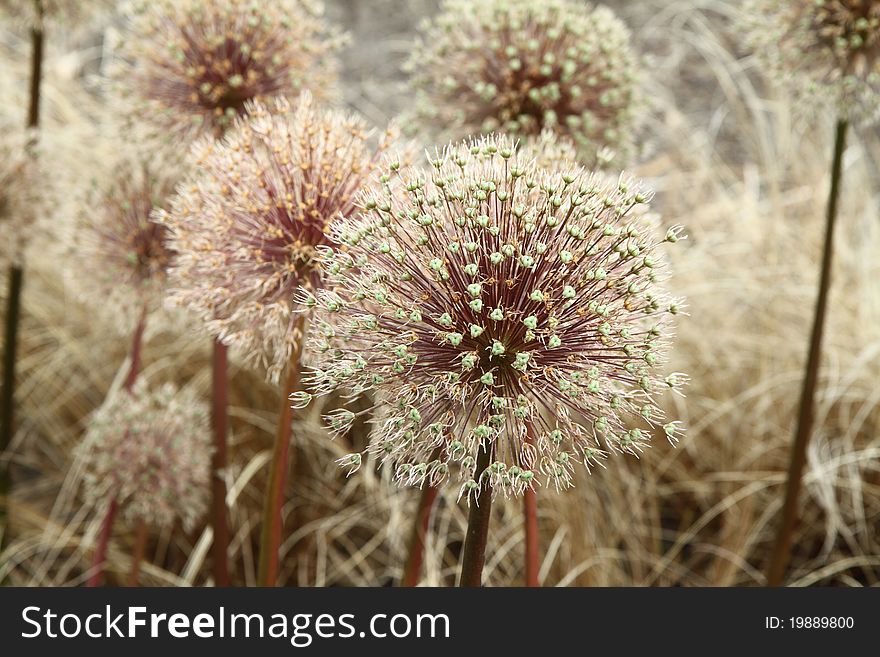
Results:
193 65
122 255
522 66
488 301
247 223
150 451
20 203
827 50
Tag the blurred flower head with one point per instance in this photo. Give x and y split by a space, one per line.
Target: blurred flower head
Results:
521 66
122 256
19 200
248 223
191 66
827 50
150 449
488 301
63 11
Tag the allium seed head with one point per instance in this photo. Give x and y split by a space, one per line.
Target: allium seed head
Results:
66 11
124 256
489 301
827 50
19 200
521 66
249 222
151 451
193 65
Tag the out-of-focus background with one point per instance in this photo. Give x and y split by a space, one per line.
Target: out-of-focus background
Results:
729 156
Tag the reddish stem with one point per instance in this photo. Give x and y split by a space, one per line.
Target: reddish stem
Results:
140 549
530 508
413 568
100 556
220 425
273 522
136 349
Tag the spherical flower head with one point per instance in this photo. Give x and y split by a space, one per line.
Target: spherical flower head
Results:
826 50
523 66
488 302
35 12
20 175
122 255
150 449
249 222
191 66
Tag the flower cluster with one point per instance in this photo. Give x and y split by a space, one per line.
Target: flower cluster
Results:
488 301
192 65
124 256
246 226
827 50
19 177
151 451
521 66
68 11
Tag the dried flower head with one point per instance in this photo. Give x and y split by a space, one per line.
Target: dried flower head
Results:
19 200
35 12
521 66
247 224
151 451
489 301
122 255
827 50
192 65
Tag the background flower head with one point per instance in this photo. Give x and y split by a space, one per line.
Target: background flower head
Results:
122 257
150 449
488 300
62 11
521 66
248 223
826 50
192 65
20 175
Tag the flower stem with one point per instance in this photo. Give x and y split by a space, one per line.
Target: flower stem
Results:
530 513
13 298
136 348
219 424
782 545
100 556
416 553
7 403
273 523
140 549
474 552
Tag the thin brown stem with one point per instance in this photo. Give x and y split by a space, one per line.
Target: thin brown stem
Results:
100 556
474 551
13 298
220 426
140 549
273 522
416 553
782 546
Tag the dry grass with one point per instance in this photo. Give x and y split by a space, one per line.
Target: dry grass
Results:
748 178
